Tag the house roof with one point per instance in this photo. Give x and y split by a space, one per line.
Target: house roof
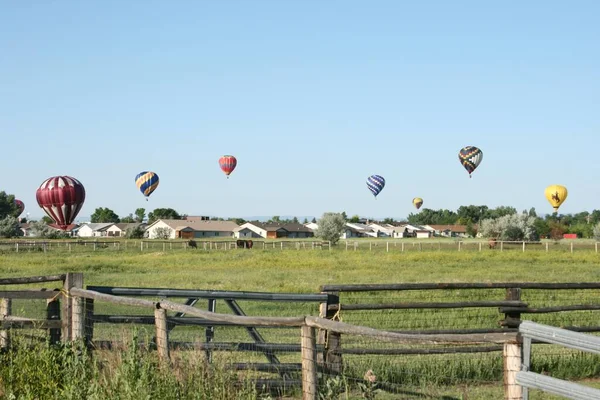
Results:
98 227
125 225
451 228
206 226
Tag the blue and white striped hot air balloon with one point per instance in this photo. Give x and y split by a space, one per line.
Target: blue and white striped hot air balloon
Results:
375 183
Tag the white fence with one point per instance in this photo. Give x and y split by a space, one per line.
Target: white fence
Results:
574 340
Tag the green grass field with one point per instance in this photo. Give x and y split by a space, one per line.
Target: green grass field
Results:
304 271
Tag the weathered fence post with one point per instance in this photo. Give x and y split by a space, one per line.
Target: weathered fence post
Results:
73 279
5 311
331 358
162 334
78 319
523 246
512 365
309 363
512 352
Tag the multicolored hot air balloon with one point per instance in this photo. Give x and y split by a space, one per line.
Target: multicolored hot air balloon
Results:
470 157
20 207
375 183
147 182
556 195
61 197
227 164
417 202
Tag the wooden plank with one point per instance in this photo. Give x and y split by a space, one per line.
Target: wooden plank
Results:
512 365
53 314
406 306
214 346
125 301
32 279
344 328
309 363
450 350
208 294
543 310
29 294
454 285
265 367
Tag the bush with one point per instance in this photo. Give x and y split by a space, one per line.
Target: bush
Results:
10 227
331 227
510 227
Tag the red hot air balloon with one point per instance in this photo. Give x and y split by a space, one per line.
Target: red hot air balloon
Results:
227 164
20 207
61 197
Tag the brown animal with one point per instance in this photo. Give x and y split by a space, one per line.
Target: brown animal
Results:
243 244
492 243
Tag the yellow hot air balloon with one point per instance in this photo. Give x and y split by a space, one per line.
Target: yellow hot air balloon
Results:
556 195
418 202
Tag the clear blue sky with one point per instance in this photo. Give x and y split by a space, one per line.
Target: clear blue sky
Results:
311 96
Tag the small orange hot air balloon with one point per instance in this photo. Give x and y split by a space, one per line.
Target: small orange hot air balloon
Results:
556 195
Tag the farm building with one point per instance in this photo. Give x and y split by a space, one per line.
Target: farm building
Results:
362 229
120 229
191 229
94 230
449 230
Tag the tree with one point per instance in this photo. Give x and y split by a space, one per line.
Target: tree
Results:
10 227
532 212
104 215
305 221
355 219
344 215
239 221
510 227
162 213
275 218
314 220
47 220
7 205
128 219
135 233
331 227
295 220
163 232
140 214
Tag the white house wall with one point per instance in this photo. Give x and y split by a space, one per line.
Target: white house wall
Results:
85 231
160 224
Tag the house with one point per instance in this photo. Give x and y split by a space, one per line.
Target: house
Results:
312 225
418 231
273 230
350 232
383 229
363 230
120 229
94 229
28 230
401 231
191 229
449 230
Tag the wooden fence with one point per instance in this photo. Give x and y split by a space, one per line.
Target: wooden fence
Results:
530 331
320 344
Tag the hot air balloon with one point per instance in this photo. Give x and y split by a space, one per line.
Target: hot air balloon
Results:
470 157
20 207
61 197
375 183
556 195
227 164
417 202
147 182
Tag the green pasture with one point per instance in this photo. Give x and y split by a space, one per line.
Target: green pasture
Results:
293 270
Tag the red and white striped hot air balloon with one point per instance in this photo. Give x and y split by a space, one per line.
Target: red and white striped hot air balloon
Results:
61 197
227 164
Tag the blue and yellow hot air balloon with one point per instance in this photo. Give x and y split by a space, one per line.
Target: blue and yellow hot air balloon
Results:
147 182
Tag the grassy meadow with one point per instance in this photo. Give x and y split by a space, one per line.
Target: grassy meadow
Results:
302 270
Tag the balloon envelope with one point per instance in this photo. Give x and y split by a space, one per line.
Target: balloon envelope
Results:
556 195
375 183
147 182
61 198
470 157
417 202
227 164
20 207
